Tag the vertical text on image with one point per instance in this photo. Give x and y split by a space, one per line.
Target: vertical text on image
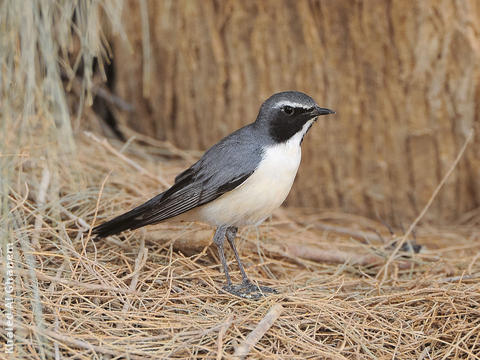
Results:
9 287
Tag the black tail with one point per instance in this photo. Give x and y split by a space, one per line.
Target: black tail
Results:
131 220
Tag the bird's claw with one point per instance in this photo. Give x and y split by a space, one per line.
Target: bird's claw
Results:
248 290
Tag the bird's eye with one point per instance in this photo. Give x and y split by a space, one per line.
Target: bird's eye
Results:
288 110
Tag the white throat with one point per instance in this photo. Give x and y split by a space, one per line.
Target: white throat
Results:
284 158
297 138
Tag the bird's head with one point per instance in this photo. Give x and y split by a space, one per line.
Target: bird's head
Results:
288 113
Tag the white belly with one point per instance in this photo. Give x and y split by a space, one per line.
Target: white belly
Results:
264 191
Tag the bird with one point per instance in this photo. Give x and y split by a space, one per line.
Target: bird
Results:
237 182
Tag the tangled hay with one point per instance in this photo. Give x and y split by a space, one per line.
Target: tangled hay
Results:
139 295
156 293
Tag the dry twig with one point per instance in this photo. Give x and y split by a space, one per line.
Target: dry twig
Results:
130 162
221 334
427 206
266 323
173 305
42 193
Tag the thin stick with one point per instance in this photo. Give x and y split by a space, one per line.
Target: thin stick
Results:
21 203
57 276
95 214
147 71
130 162
74 217
425 209
470 266
139 263
459 278
347 231
65 282
55 343
35 300
266 323
114 99
337 256
105 94
69 339
424 353
221 334
158 143
42 192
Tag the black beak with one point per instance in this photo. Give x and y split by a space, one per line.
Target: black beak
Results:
317 111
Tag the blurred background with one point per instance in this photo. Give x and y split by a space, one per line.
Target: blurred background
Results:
403 77
103 102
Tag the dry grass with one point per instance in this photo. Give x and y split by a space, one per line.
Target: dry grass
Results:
155 293
139 295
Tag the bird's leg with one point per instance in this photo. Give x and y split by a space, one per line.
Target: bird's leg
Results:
231 233
219 240
246 289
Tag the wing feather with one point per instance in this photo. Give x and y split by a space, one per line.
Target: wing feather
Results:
222 168
190 197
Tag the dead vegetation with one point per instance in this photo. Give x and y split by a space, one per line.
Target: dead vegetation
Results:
348 288
156 293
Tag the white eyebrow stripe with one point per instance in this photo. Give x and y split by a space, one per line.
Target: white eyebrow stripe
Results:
294 105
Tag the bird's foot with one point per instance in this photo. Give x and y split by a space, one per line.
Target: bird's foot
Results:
248 290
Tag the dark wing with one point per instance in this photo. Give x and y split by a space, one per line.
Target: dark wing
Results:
187 173
221 169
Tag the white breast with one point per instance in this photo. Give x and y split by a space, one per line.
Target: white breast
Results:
265 190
